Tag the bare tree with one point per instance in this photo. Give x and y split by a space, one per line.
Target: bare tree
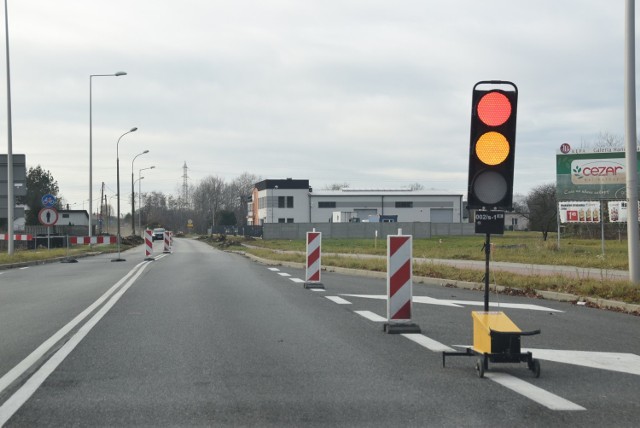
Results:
540 207
336 186
607 140
208 200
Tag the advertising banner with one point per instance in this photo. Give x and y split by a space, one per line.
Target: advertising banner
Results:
618 211
588 175
580 212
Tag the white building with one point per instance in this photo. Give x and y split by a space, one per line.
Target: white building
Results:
293 201
72 218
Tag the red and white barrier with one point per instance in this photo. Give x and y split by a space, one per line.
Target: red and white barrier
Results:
314 260
400 285
5 237
167 242
148 244
85 240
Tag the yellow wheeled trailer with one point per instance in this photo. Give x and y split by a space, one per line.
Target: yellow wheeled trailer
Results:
496 339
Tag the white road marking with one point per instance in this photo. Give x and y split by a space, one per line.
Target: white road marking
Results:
371 316
284 274
338 300
532 392
274 269
428 343
23 268
617 362
319 290
13 403
297 280
458 303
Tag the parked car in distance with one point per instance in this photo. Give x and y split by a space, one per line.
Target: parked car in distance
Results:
158 234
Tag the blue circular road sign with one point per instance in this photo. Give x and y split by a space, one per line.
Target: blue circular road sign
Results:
49 200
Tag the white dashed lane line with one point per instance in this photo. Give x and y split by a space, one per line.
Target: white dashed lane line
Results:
371 316
430 344
338 300
539 395
526 389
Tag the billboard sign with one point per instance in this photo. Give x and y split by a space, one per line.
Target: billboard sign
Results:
618 211
588 175
580 212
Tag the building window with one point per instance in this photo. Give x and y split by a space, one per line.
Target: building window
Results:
326 204
289 220
289 201
404 204
65 215
281 220
281 201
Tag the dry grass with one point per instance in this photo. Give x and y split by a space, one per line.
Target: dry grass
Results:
518 248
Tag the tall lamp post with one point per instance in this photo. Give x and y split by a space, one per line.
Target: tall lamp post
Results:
134 129
133 196
140 177
10 198
91 76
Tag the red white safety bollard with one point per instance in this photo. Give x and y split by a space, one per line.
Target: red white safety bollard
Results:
314 260
148 244
400 285
167 242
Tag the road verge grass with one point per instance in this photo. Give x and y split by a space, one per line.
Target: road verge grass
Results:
519 249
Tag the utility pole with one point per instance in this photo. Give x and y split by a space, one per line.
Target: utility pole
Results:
101 219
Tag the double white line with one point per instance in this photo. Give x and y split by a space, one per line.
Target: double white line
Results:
11 406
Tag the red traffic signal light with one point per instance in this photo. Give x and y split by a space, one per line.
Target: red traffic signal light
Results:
492 145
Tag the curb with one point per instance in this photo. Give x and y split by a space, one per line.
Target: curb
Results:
45 261
630 308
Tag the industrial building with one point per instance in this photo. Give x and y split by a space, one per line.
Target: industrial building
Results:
294 201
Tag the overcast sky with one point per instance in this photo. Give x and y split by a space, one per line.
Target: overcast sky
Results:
372 93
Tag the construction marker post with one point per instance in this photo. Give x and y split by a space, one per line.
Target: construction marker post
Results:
400 285
148 244
314 260
167 242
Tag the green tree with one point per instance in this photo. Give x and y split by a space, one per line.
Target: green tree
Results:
39 183
226 218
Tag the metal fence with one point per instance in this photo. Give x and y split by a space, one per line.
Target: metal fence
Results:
366 230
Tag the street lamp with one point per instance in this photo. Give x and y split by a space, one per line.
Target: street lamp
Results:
10 189
134 129
140 196
91 76
133 196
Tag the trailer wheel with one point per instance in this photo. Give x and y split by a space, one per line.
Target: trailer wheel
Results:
535 368
480 367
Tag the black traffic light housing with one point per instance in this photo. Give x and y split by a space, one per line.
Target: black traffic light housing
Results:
492 145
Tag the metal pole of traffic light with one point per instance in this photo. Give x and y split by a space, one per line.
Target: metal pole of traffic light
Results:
631 143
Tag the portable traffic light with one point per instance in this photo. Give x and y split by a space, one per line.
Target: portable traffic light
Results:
492 147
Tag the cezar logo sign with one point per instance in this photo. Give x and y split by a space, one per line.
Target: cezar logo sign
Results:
600 171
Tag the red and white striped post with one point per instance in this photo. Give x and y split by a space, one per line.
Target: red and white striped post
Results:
5 237
314 260
167 242
86 240
400 285
148 244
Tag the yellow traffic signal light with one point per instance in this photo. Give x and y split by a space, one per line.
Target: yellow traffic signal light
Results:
492 145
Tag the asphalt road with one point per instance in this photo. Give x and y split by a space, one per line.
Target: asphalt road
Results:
201 337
